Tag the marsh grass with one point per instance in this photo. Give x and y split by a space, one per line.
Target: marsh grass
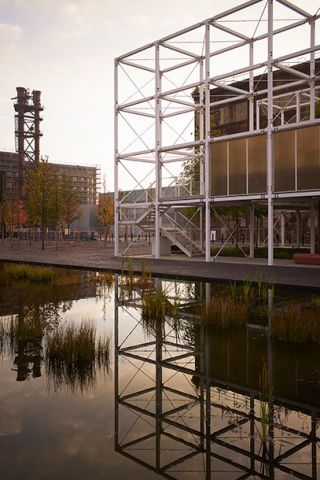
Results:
73 355
155 305
39 275
265 402
145 280
297 323
105 278
235 305
225 311
130 273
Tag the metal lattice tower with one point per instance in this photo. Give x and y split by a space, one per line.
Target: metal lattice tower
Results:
27 131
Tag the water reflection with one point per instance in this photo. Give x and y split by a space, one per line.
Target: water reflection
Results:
74 354
33 337
202 402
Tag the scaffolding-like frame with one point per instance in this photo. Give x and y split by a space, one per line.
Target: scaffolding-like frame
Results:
160 154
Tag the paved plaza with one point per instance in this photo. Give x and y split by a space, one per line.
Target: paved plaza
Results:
98 256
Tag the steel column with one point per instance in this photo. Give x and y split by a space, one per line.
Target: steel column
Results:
116 360
269 133
201 158
251 89
282 229
207 144
251 232
116 160
298 228
312 228
157 151
312 68
201 130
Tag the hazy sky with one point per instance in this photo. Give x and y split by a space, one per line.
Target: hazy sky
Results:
66 50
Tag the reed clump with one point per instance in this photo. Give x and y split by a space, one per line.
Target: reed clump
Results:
73 355
144 281
297 323
225 312
105 279
155 305
265 403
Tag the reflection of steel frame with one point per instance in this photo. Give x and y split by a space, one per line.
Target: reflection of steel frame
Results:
195 434
159 155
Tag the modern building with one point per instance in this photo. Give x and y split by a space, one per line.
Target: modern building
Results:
85 178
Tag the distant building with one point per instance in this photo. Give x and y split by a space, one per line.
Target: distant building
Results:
85 178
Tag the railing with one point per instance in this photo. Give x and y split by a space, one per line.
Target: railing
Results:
181 188
178 188
187 233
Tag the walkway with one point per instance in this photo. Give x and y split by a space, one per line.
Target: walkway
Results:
95 256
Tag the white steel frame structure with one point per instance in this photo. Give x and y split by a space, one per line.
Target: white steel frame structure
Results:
146 114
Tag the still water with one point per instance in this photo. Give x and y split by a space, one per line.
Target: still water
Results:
176 397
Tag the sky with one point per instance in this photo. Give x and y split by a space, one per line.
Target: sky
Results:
66 49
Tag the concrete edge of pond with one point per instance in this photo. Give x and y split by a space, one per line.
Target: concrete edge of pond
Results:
306 277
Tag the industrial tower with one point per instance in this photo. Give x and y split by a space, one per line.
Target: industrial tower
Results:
27 131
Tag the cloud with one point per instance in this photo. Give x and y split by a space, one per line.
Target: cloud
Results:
10 34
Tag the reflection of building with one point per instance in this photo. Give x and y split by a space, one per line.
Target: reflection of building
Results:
266 110
215 407
30 312
28 348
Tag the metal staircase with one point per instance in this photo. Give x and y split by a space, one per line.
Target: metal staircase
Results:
175 226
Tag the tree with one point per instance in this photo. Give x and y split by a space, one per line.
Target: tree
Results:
71 210
106 211
40 196
57 210
13 215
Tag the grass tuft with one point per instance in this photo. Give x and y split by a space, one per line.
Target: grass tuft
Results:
225 312
297 323
73 355
39 275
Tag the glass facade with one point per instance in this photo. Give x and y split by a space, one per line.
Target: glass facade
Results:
308 160
219 168
240 166
257 164
284 145
237 166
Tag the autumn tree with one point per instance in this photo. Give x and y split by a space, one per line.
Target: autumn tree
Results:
13 215
57 206
106 211
71 210
40 196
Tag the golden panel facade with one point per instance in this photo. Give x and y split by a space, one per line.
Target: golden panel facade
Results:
308 158
284 161
257 164
218 165
237 166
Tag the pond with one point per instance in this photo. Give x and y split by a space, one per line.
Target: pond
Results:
106 376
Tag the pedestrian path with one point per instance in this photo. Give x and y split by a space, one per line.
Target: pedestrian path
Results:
97 257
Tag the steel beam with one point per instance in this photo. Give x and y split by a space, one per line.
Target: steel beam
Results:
269 133
207 145
116 160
